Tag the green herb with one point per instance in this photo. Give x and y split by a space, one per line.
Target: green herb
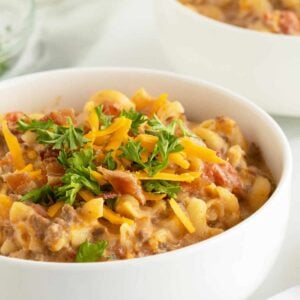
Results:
91 252
132 151
185 130
162 187
35 125
111 203
157 126
72 184
38 195
137 119
58 137
109 161
104 119
167 143
77 176
79 161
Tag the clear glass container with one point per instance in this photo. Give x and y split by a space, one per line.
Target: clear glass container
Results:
16 23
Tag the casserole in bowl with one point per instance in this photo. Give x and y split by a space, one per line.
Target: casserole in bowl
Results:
210 269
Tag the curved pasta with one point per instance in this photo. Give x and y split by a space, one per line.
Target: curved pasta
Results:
259 192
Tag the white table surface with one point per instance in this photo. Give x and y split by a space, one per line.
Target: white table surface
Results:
124 33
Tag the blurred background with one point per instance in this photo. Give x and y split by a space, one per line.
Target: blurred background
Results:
95 32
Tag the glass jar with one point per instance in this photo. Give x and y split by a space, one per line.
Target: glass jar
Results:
16 24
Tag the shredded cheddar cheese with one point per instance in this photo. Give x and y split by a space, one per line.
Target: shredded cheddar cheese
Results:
55 208
184 177
27 168
179 159
154 197
119 136
115 218
36 174
98 177
86 195
204 153
93 120
13 146
184 219
116 125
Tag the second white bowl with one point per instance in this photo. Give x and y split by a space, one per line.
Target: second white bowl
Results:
264 67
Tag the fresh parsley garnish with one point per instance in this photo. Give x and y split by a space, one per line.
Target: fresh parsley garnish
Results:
80 161
78 166
91 252
109 161
104 119
132 151
137 119
167 143
72 184
162 187
185 130
111 203
58 137
38 195
157 126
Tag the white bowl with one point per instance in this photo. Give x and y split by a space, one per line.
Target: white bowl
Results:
263 67
227 266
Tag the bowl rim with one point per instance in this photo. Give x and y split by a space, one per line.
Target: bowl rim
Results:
227 26
283 182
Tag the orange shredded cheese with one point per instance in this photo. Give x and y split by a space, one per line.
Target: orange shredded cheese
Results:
36 173
5 205
184 219
119 136
115 218
154 197
184 177
116 125
204 153
55 208
148 141
93 120
13 146
179 159
27 168
86 195
98 177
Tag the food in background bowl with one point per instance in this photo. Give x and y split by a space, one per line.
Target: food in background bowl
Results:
263 15
124 178
261 66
